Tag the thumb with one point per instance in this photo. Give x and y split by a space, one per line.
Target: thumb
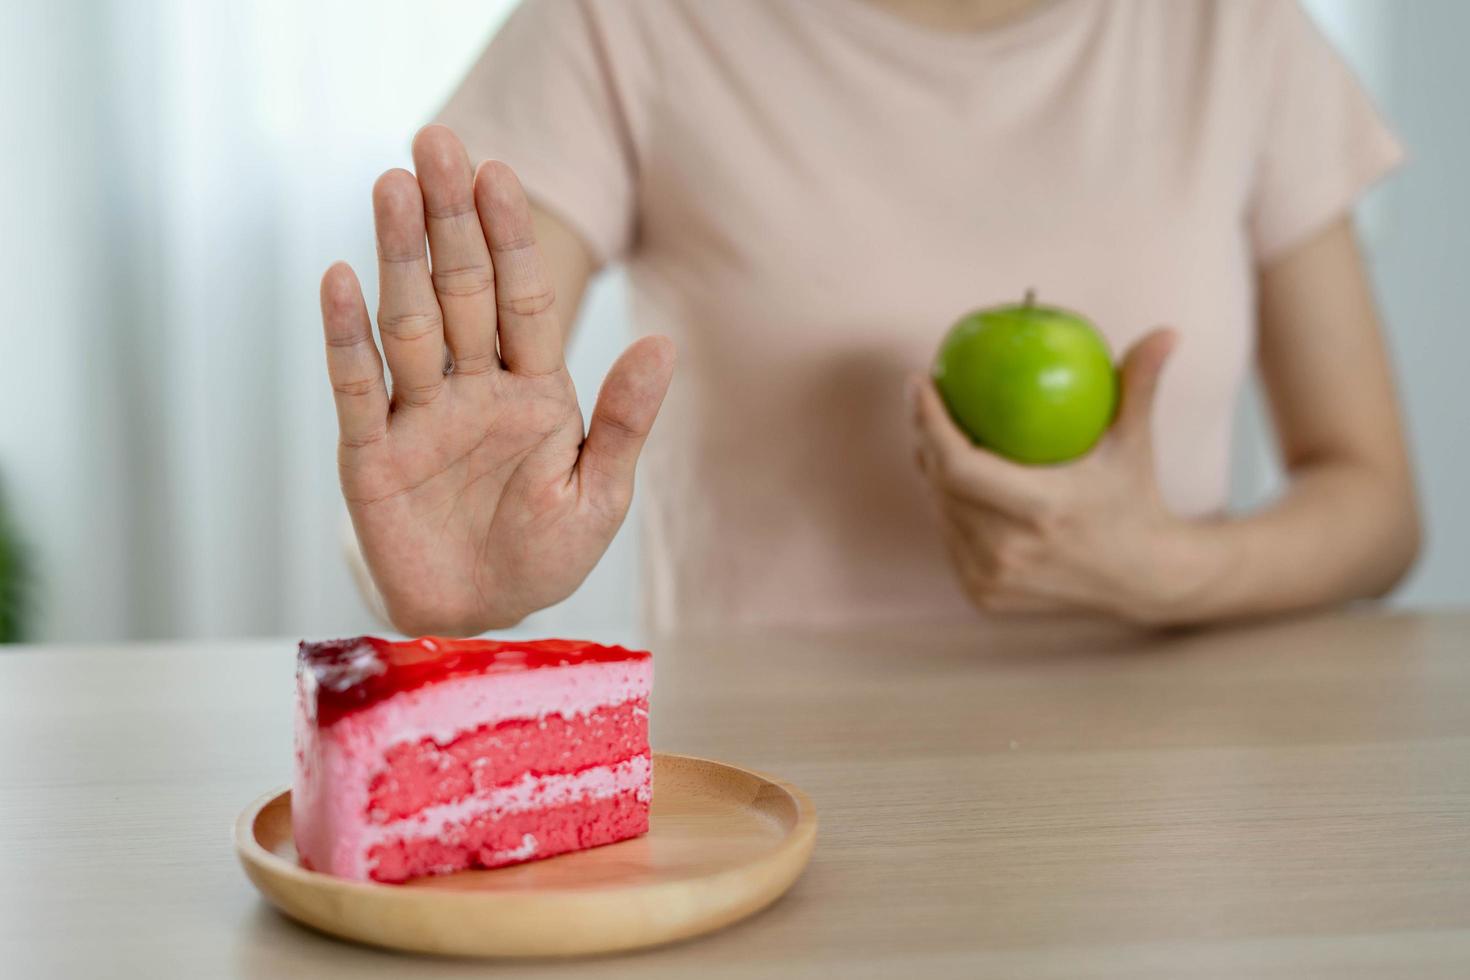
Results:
1142 367
626 407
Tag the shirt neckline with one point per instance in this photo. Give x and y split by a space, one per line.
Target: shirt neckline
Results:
1037 22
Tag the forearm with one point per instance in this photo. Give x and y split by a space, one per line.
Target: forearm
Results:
1344 530
568 261
1348 527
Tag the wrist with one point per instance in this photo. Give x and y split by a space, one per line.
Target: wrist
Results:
1189 560
435 619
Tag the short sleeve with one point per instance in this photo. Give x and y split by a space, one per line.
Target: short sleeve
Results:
1323 142
547 98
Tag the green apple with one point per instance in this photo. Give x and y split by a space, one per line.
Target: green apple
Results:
1032 383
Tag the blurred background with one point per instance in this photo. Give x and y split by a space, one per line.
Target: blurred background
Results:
177 175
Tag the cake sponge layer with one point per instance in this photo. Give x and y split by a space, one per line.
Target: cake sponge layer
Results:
425 773
491 841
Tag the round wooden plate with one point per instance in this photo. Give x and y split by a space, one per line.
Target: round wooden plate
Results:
723 844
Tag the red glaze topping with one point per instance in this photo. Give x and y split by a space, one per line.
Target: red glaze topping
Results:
356 673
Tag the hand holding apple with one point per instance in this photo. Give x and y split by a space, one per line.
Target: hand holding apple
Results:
1091 535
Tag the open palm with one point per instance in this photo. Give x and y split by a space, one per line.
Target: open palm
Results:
474 494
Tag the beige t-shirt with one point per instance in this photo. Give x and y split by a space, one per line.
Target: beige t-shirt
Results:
807 193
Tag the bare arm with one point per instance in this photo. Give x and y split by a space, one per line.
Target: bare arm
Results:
1348 525
568 262
1095 535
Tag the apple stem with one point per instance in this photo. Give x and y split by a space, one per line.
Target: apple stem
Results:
1030 299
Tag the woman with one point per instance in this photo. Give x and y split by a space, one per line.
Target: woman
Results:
806 195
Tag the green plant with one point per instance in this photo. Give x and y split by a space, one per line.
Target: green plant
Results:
14 581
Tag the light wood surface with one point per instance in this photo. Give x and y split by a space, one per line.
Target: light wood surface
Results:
1286 800
722 844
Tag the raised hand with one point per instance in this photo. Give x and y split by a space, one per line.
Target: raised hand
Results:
474 494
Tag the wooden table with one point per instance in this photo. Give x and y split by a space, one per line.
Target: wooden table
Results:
1289 800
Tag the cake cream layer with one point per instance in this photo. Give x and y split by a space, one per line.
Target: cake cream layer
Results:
353 674
335 765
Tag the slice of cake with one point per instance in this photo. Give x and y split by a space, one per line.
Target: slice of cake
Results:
429 756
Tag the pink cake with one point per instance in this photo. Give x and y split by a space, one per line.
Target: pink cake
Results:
430 756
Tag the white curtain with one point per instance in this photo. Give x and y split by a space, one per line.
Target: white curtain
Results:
185 171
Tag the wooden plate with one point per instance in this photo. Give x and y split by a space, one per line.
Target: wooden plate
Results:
723 844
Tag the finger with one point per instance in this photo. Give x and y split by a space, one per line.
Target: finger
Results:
530 334
971 524
463 278
969 472
624 414
408 312
1005 602
353 364
1142 367
992 541
959 541
984 587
